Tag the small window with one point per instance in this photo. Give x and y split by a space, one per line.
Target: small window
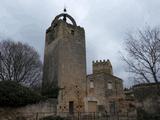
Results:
109 85
91 84
72 32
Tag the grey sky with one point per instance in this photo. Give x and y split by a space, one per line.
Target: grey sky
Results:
106 23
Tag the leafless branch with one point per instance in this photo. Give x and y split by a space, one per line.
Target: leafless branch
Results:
19 62
143 57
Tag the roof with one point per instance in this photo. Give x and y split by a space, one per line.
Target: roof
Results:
105 74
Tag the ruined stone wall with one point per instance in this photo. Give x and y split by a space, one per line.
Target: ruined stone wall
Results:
117 86
106 88
147 97
99 88
30 112
101 92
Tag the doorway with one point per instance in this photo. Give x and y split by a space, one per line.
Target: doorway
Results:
71 107
113 107
92 106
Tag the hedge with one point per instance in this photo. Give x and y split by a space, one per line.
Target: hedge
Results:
13 94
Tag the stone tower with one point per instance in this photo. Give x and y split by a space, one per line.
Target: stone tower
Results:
102 66
65 63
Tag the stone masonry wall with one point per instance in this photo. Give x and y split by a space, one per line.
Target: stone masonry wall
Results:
106 88
30 112
72 67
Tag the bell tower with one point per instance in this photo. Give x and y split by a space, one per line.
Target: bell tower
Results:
65 62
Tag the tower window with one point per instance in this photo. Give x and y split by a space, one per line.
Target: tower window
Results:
109 85
91 84
72 32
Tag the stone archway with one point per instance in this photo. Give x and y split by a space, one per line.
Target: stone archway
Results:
64 15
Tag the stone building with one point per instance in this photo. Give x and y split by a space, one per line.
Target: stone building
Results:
65 67
104 90
147 97
65 63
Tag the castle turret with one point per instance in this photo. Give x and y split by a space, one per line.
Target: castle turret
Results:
102 67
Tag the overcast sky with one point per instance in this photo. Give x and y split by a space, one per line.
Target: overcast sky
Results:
106 23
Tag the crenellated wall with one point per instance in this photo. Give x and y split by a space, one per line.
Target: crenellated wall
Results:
102 66
106 89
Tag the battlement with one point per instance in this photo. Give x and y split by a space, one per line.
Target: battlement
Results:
101 61
102 66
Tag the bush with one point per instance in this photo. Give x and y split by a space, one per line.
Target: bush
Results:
51 92
53 118
143 115
13 94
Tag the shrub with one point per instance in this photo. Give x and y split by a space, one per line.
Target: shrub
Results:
13 94
143 115
51 92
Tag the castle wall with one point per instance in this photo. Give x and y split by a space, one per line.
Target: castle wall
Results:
30 112
147 97
106 89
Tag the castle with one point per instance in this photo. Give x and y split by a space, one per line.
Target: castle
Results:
65 68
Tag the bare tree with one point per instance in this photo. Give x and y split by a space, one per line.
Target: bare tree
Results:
143 57
19 62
